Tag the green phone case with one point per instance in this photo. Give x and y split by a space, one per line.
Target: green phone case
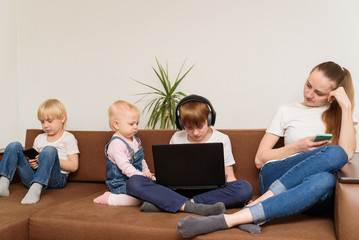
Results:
321 137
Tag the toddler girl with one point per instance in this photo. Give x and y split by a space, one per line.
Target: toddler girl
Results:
124 153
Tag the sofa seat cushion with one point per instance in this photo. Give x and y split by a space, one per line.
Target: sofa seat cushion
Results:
14 217
296 227
16 228
95 221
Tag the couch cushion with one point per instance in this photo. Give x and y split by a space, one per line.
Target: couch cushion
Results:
95 221
18 229
14 216
93 161
153 137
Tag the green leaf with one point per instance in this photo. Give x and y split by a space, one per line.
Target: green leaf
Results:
163 104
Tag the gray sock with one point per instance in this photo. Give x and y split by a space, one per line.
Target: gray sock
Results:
203 209
192 226
251 228
149 207
4 186
33 195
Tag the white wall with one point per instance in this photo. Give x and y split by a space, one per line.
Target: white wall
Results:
249 55
9 97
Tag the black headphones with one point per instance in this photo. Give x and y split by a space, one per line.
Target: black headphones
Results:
195 98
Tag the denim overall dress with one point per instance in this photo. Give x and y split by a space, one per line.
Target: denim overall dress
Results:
116 180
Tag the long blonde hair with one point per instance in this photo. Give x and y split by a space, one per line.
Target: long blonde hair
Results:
332 117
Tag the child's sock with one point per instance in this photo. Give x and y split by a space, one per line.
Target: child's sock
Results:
4 186
149 207
33 195
192 226
203 209
123 200
103 199
112 199
251 228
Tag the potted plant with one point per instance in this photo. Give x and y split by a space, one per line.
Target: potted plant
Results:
163 104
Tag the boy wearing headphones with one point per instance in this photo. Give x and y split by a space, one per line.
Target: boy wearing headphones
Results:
196 117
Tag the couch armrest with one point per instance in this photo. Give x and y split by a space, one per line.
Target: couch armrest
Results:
2 150
347 201
350 172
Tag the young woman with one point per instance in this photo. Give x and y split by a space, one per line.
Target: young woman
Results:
298 176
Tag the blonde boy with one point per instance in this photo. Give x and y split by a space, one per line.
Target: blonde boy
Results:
58 156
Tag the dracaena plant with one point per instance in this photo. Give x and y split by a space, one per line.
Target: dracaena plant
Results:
162 105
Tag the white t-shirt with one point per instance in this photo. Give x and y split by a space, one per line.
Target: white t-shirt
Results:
65 145
181 137
294 121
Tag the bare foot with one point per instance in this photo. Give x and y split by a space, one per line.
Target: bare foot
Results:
265 196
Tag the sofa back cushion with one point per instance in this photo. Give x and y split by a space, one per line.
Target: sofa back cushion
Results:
92 163
92 167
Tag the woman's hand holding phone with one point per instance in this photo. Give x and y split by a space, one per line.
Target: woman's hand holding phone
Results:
308 144
322 137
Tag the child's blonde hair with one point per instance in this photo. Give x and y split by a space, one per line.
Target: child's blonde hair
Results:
117 108
51 108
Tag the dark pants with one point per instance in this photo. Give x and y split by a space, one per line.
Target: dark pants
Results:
232 195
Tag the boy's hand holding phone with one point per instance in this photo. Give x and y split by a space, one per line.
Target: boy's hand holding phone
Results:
30 153
32 156
34 163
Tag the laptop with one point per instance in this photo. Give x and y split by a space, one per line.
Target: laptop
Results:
189 166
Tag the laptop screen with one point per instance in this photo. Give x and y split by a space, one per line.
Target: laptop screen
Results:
189 166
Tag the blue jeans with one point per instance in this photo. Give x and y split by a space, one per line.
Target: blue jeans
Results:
145 189
48 172
298 182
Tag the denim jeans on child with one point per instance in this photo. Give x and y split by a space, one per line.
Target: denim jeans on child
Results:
234 193
298 182
116 180
48 172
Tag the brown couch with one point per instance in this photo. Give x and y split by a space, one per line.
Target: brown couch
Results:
70 213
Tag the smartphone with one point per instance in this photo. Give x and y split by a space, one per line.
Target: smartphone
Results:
321 137
31 153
